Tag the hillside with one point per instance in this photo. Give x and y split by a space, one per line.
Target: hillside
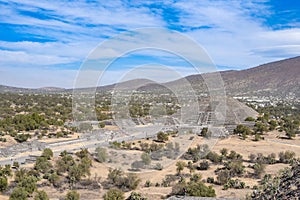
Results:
278 78
273 79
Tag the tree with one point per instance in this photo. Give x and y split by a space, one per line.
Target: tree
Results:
191 167
19 193
286 157
64 163
42 164
28 183
123 181
47 153
235 167
193 188
114 194
224 152
74 174
16 164
200 190
180 166
41 195
101 125
85 127
3 183
260 128
290 133
223 176
101 154
249 119
82 153
114 174
85 165
203 165
54 179
136 196
241 129
273 125
205 132
146 158
162 137
259 169
72 195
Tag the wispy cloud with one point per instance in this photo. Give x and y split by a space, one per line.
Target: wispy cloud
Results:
61 34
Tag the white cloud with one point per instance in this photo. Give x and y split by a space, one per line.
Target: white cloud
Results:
232 32
22 58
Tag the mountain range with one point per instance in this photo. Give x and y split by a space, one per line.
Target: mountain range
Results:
278 78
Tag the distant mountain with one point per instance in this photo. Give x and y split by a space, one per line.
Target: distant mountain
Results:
277 79
11 89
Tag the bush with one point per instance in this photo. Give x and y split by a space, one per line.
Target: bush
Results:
162 137
249 119
146 158
205 133
123 181
180 166
286 157
101 154
47 153
241 129
136 196
19 193
214 157
42 165
148 184
41 195
72 195
159 166
197 153
210 180
28 183
235 167
22 137
204 165
259 169
192 188
224 152
223 176
236 184
3 183
114 194
234 156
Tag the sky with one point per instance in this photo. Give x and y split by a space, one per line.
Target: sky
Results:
45 43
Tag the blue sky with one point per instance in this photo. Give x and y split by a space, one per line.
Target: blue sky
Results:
43 43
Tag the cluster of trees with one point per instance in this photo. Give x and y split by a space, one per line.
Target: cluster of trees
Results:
27 112
285 118
284 157
195 154
148 104
117 194
194 187
66 170
234 183
125 182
